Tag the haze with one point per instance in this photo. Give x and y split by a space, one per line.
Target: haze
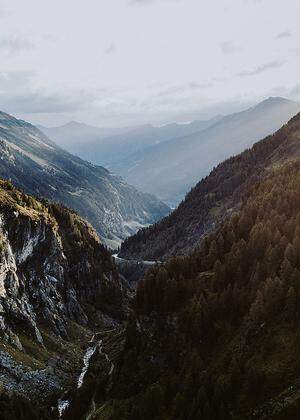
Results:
122 62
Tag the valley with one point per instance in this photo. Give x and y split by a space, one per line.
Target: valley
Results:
168 161
36 164
149 210
207 330
184 321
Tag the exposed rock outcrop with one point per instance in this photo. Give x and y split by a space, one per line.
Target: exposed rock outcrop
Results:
54 274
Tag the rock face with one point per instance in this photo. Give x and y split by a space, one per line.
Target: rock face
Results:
38 166
54 273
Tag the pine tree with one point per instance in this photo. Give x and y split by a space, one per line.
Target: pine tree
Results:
291 303
257 308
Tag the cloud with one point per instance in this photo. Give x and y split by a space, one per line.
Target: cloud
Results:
19 94
229 47
295 91
183 89
49 38
15 44
3 12
296 51
261 69
111 49
40 103
285 34
146 2
15 81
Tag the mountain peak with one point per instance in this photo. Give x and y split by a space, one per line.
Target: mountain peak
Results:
273 100
74 124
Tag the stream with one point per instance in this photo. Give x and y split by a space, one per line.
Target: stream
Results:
63 403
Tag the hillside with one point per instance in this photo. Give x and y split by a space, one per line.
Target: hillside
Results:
170 169
216 334
57 284
213 198
118 149
35 164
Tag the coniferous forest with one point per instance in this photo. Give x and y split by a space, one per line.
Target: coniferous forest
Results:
150 210
215 335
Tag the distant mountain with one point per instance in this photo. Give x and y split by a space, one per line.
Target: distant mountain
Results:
171 168
75 134
38 166
118 151
118 148
212 199
167 161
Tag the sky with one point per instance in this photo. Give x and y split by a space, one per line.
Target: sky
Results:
127 62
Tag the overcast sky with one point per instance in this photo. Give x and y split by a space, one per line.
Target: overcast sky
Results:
124 62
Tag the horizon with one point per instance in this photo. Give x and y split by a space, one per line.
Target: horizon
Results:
212 117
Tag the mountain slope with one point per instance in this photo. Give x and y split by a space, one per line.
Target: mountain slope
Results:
213 198
215 334
116 148
57 282
37 165
171 168
73 133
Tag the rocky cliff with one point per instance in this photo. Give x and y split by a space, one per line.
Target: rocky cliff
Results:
57 283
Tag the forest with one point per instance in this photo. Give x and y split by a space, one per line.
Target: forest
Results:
215 335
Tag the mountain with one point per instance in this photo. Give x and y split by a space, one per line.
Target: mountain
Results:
75 134
57 284
171 168
215 334
120 148
213 198
38 166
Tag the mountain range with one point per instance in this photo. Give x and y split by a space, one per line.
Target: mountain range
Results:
212 331
167 161
116 148
212 199
214 334
37 165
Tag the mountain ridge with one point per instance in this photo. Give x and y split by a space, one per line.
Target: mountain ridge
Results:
212 198
40 167
214 334
172 168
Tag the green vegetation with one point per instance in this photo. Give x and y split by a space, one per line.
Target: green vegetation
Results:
14 407
219 335
213 198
